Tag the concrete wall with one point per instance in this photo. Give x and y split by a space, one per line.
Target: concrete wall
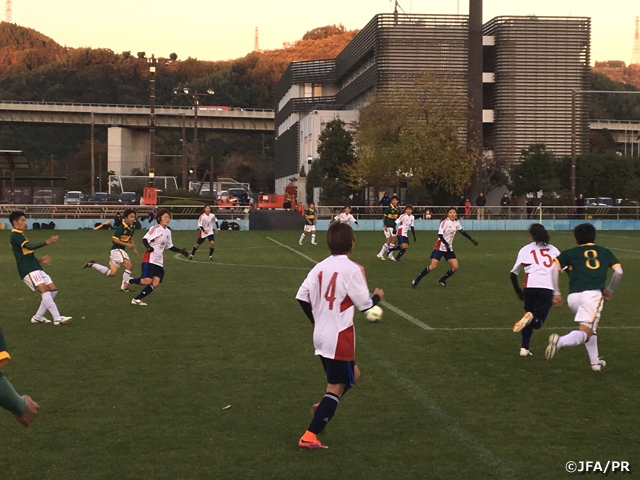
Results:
75 224
127 149
499 225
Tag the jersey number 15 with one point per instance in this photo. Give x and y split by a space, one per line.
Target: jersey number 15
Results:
545 253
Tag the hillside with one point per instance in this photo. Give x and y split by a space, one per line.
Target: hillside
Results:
617 71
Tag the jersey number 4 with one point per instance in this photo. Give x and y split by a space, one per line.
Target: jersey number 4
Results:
330 294
545 253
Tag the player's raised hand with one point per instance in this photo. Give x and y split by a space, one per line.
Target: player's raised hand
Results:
379 292
45 259
51 240
30 413
557 300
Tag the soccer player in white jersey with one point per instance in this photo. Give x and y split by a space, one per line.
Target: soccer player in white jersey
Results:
444 247
206 221
333 287
404 223
157 239
345 216
536 258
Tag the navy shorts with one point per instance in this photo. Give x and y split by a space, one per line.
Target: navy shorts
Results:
150 270
339 371
402 239
538 301
439 254
211 238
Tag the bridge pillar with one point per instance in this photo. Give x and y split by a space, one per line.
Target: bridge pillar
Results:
127 149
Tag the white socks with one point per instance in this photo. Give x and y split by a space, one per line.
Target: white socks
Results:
572 339
383 250
49 304
301 238
592 349
313 238
389 247
101 268
126 276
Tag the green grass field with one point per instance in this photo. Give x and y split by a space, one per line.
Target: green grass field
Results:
138 392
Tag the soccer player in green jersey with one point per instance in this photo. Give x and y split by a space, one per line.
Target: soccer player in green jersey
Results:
22 407
122 238
31 272
310 216
389 227
587 265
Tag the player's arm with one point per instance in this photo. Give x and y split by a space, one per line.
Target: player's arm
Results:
516 285
444 242
359 293
466 235
555 273
304 296
615 280
34 246
413 232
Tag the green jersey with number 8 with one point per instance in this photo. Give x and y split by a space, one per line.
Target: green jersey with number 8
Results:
587 266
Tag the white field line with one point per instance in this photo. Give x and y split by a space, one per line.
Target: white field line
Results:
394 309
180 257
600 327
490 459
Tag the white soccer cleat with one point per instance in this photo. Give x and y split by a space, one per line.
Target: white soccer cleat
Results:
35 319
135 301
552 348
525 353
380 256
210 257
314 243
596 367
299 243
61 320
190 257
523 322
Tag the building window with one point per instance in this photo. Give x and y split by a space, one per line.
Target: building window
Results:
317 90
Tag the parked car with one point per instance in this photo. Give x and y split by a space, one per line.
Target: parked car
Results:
99 197
128 198
73 197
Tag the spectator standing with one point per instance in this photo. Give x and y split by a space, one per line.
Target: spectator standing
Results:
580 203
467 208
461 205
505 203
385 201
481 201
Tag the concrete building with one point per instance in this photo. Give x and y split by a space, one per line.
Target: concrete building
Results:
531 66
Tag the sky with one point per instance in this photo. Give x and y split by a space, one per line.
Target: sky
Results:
220 30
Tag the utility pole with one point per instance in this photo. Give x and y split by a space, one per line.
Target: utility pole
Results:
185 165
93 157
52 171
196 149
211 178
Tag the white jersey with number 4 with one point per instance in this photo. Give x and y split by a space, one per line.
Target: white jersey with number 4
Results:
333 287
537 262
344 218
448 229
404 223
159 238
206 222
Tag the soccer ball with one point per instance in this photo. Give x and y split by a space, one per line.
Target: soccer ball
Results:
374 314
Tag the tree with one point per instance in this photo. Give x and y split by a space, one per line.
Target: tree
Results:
538 171
329 171
417 132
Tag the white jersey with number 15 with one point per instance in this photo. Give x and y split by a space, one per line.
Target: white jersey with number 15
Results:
333 287
537 261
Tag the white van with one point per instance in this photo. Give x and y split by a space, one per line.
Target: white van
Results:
73 197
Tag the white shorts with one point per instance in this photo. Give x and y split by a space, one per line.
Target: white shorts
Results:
388 232
587 307
118 256
309 228
35 278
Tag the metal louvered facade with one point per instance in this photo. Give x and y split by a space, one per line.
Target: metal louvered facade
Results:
537 62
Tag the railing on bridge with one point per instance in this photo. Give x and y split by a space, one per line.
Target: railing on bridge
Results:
108 212
534 213
201 111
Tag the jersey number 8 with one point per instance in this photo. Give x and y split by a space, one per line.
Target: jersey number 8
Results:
592 259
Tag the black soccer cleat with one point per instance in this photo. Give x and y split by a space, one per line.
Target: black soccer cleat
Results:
89 264
414 283
442 283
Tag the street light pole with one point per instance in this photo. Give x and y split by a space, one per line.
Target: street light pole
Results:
152 120
185 166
